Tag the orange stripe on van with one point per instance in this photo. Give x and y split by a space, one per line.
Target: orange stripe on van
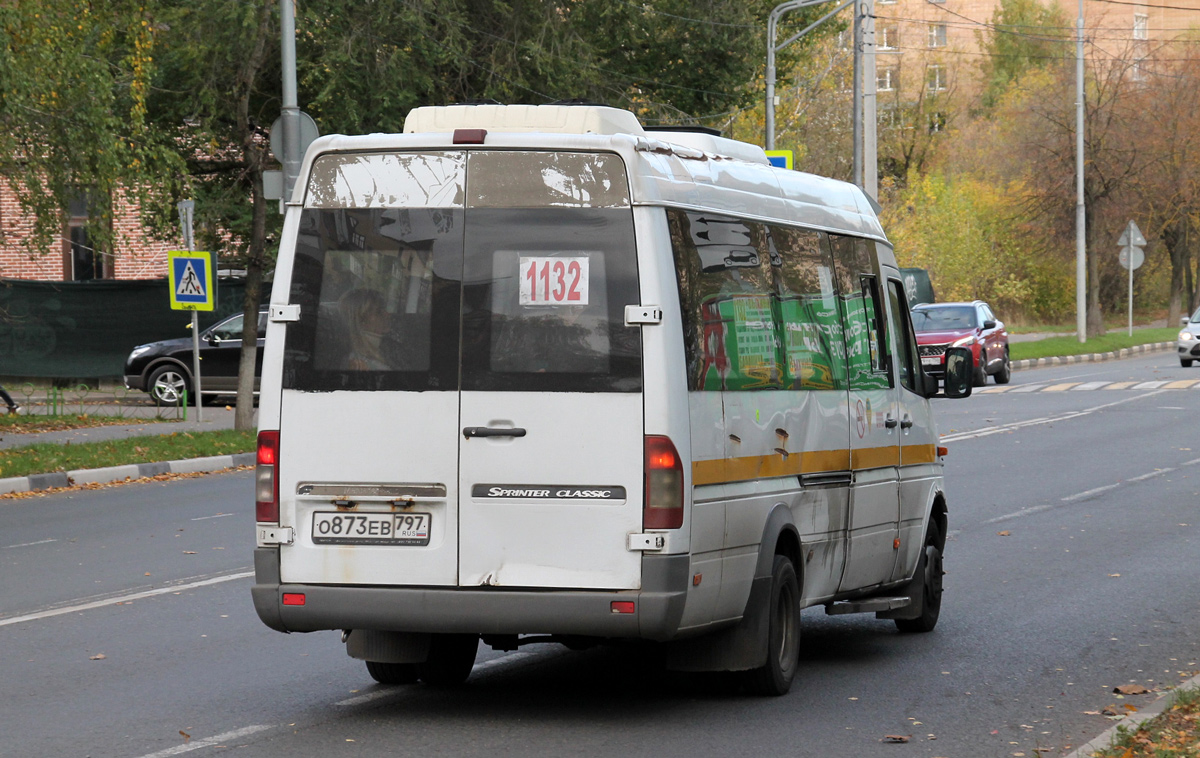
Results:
875 457
748 468
913 454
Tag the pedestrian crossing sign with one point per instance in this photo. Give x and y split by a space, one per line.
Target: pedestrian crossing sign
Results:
190 276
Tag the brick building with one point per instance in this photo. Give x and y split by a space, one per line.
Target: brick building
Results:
137 256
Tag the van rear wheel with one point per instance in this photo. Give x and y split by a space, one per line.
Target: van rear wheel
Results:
392 673
451 658
783 633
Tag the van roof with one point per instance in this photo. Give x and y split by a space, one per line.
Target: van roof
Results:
568 119
675 168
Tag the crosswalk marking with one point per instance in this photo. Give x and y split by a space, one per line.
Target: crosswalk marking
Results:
1180 384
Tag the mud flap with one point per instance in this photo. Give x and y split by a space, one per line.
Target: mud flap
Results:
388 647
739 648
915 589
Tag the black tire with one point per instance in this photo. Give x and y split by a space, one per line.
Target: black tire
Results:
783 633
1004 375
980 376
929 568
392 673
1185 362
451 658
167 384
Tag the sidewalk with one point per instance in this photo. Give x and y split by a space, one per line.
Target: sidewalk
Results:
215 418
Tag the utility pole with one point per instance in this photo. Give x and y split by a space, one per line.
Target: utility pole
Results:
291 108
1080 209
864 80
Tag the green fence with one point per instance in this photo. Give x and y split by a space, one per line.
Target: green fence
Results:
82 330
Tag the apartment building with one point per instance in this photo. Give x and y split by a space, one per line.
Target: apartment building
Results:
933 47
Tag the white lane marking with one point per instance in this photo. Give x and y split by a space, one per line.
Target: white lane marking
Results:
219 515
1089 493
219 739
1043 420
1090 386
503 662
1086 493
1151 475
1020 513
31 544
1147 386
124 598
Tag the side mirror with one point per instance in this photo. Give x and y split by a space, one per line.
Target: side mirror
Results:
1183 321
989 324
212 339
958 372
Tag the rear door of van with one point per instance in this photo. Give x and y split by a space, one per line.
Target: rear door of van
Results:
461 399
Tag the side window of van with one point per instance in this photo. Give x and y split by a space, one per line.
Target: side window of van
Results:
727 295
907 362
862 313
814 348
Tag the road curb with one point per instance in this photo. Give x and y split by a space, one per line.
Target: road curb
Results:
1115 355
121 473
1131 722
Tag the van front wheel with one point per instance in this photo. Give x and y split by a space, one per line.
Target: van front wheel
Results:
929 568
451 658
783 633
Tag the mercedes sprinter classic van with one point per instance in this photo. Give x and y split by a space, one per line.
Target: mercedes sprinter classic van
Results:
535 372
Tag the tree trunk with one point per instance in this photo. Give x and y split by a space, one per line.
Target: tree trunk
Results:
254 157
243 417
1174 238
1095 318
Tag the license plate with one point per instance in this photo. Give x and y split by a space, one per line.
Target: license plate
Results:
371 528
931 360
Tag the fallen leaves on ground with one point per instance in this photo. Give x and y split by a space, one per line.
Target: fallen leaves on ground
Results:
1131 689
1005 533
896 738
119 483
1175 733
97 657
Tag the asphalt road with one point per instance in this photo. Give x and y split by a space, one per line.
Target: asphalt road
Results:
1071 570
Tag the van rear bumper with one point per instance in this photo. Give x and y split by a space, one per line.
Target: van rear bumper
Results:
477 610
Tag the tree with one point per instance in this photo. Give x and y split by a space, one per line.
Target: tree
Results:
216 85
1024 35
74 84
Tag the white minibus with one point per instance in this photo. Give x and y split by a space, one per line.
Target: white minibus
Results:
537 373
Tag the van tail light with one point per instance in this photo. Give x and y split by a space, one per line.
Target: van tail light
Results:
266 479
663 508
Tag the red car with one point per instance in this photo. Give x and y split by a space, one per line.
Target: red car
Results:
973 325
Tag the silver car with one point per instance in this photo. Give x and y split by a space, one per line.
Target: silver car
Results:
1188 343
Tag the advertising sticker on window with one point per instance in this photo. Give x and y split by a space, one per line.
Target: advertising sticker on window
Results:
554 281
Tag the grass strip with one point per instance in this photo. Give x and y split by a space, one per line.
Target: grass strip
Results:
1174 733
1060 346
46 457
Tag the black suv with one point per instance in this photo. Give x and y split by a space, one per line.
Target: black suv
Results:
164 369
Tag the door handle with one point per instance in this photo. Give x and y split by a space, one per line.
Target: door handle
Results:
487 431
906 423
890 422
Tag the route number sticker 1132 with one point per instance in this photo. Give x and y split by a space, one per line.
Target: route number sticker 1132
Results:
554 281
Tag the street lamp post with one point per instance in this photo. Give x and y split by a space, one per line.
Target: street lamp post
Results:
864 113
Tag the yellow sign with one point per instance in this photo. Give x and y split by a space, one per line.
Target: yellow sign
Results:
190 276
780 158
